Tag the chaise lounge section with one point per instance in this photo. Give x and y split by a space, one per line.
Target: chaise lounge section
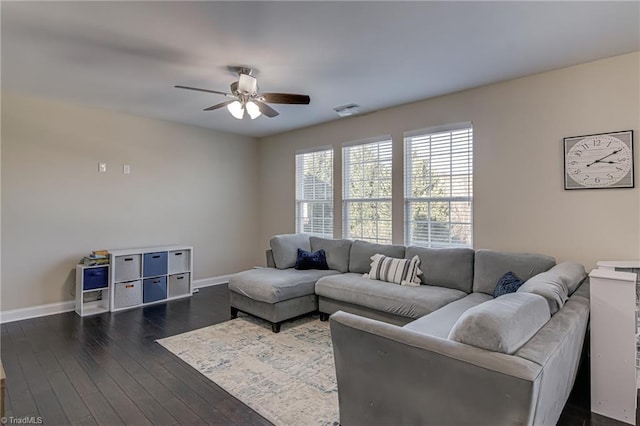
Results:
280 292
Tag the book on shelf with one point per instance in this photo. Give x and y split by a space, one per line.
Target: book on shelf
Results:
92 261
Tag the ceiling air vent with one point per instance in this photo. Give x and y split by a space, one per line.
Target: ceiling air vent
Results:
347 110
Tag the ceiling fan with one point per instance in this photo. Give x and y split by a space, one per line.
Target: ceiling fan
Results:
246 100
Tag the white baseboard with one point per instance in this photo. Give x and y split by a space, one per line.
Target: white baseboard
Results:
36 311
206 282
58 308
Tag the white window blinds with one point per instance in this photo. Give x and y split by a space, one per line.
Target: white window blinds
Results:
367 190
439 187
314 193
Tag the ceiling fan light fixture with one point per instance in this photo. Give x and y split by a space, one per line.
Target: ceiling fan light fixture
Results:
246 98
253 110
236 109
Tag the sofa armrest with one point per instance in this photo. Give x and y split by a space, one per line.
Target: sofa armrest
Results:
270 262
391 375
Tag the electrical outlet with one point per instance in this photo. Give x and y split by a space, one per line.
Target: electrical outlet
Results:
126 169
102 167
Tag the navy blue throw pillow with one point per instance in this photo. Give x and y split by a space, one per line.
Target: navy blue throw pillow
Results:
509 283
311 260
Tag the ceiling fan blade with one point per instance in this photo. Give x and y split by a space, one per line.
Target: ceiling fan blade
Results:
217 106
266 109
285 98
203 90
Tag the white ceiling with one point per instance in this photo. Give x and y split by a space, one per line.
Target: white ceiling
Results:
127 56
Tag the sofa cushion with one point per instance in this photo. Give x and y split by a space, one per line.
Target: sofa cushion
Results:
337 252
361 252
396 271
490 265
408 302
572 273
439 323
508 283
503 324
550 286
446 267
273 285
311 260
285 248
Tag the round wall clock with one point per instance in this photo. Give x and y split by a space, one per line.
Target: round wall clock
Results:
599 161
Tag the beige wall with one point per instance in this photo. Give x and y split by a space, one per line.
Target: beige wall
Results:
519 200
188 186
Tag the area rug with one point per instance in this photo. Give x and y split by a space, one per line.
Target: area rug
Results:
287 377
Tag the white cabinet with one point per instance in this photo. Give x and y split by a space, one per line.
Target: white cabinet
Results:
149 275
614 339
92 289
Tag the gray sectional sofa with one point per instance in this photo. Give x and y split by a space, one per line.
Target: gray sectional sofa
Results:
443 352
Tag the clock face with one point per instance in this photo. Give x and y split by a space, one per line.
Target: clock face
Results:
597 161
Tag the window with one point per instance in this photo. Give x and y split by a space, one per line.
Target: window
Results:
367 190
314 193
439 187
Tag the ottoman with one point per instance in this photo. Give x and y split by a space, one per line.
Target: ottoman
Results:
274 294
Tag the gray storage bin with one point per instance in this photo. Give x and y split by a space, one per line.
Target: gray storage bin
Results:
126 268
179 261
127 294
179 285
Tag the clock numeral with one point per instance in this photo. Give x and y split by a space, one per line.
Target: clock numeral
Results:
577 172
609 175
619 168
577 153
596 180
573 163
596 142
609 144
585 146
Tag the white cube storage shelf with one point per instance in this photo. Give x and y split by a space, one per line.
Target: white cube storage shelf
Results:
92 289
149 275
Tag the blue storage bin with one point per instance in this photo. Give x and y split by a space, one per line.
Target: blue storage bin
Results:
154 289
94 278
154 264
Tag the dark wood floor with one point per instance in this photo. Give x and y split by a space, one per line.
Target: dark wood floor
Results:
108 370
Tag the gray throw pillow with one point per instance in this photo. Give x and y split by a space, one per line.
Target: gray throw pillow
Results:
285 248
550 286
573 274
503 324
337 252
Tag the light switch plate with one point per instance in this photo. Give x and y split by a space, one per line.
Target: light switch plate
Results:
102 167
126 169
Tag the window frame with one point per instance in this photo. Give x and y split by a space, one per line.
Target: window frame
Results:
299 201
346 180
408 187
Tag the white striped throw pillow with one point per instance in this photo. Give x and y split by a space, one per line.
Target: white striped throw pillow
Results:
397 271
